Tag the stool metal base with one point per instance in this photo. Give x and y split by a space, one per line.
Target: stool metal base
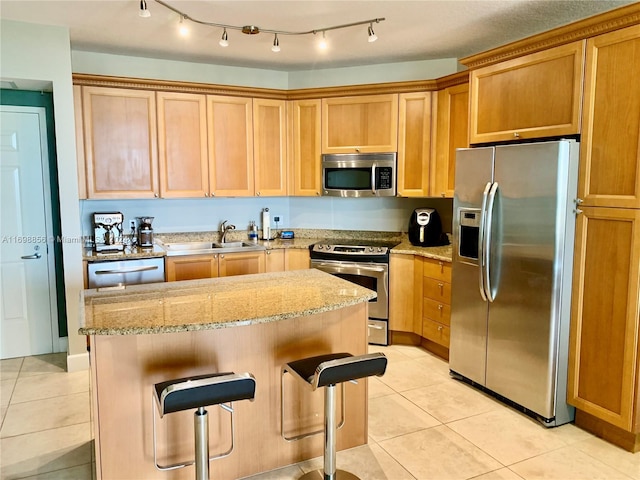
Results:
319 475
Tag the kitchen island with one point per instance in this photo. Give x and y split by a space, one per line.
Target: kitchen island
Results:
146 334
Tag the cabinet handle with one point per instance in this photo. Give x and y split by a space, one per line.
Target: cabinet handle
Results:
318 194
577 211
440 307
440 328
516 135
222 255
268 252
258 193
578 201
443 194
441 267
155 195
357 150
441 285
212 194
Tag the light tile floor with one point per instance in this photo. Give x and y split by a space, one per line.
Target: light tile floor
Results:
422 425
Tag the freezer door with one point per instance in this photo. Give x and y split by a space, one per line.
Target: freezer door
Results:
526 268
467 349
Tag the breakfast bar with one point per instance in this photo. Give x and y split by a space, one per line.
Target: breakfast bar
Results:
146 334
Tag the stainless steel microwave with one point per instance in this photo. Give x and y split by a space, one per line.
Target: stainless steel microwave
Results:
359 175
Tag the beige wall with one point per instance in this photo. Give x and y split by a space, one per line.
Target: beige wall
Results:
42 53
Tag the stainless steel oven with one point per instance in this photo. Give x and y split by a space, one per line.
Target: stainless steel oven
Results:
363 263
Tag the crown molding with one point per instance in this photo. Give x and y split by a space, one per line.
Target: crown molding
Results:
367 89
589 27
453 80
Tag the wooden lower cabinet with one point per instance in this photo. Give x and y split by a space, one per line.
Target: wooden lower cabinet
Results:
436 301
190 267
243 263
296 259
402 294
274 260
604 380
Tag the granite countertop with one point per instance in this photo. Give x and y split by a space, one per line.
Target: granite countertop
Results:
443 253
215 303
129 253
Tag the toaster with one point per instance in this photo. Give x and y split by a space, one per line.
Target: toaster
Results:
425 228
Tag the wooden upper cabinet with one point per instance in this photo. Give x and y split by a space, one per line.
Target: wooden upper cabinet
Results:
80 159
603 352
360 124
182 145
414 144
270 147
230 128
305 158
610 149
535 96
452 132
120 142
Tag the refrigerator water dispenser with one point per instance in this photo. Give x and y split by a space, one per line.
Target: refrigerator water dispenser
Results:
469 232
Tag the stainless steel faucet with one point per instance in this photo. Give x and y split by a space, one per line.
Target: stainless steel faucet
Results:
224 228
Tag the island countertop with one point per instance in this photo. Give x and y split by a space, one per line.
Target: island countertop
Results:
215 303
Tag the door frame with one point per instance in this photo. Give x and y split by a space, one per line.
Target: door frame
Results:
59 344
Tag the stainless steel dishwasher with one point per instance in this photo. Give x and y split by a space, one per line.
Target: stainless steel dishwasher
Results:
114 273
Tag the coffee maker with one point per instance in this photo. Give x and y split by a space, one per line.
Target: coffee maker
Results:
145 232
107 232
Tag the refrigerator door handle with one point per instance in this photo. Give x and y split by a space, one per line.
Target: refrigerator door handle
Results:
481 235
486 248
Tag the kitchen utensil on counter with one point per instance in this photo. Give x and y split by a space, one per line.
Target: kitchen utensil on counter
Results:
253 231
145 232
266 224
107 229
425 228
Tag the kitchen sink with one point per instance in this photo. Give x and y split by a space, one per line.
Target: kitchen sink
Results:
198 248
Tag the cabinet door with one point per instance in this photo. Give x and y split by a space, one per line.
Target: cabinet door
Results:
190 267
80 159
534 96
305 160
270 147
610 149
360 124
603 350
242 263
414 144
230 126
274 260
120 142
403 316
452 132
297 259
182 145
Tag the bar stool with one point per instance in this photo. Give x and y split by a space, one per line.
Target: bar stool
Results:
196 393
327 371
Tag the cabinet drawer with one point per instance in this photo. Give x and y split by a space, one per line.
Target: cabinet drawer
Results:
440 312
436 332
438 290
437 269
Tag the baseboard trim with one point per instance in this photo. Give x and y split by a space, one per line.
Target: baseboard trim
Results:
78 362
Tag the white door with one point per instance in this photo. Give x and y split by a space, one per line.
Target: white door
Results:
25 267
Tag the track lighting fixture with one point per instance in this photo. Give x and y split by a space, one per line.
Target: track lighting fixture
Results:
254 30
182 27
276 44
144 11
322 44
224 41
372 35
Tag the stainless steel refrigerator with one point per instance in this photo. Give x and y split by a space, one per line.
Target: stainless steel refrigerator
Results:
513 231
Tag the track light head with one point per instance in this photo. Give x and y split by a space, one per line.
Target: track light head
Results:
323 45
224 40
144 11
276 44
372 36
183 27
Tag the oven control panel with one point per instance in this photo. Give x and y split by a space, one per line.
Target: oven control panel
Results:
350 249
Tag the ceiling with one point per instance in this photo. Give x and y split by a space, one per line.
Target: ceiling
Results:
413 30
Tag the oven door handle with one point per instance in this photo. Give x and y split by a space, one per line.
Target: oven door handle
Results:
340 268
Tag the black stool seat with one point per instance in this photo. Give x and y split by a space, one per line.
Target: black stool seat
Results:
203 390
332 368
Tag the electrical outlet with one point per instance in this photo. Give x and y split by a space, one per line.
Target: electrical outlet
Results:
278 219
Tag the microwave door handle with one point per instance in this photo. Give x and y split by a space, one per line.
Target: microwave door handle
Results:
373 178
